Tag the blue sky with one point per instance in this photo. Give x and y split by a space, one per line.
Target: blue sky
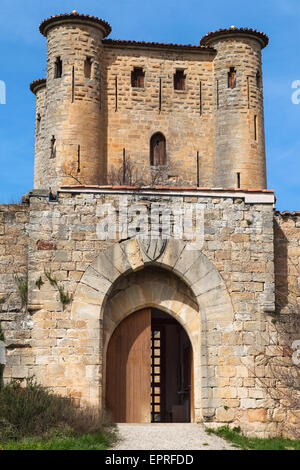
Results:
23 59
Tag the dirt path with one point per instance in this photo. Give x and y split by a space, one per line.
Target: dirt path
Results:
184 436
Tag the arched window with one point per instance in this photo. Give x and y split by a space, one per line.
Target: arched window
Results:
158 150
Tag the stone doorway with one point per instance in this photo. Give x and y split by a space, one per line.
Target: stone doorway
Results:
182 283
149 370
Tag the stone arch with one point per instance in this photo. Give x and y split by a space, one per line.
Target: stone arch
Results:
163 290
211 303
154 287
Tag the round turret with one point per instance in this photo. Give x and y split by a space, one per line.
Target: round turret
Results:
73 144
239 139
38 87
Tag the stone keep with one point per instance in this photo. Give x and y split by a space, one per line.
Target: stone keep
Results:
237 296
93 117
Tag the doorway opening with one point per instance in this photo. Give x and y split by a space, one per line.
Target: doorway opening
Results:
171 370
149 370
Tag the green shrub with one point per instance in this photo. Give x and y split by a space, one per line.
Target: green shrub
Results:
34 410
65 297
22 283
254 443
64 442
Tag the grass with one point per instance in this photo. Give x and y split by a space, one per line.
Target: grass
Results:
254 443
100 441
32 417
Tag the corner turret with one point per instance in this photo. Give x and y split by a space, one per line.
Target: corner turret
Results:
239 138
72 149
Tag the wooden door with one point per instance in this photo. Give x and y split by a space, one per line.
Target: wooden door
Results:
128 370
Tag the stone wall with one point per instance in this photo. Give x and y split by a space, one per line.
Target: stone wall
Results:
66 342
14 323
284 366
13 251
185 117
287 261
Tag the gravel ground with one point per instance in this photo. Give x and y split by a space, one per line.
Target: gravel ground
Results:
183 436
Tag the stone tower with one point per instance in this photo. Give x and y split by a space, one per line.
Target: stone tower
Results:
239 141
41 169
70 143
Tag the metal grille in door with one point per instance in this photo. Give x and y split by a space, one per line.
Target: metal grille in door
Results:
156 375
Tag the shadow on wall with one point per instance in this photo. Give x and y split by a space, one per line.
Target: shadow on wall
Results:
281 268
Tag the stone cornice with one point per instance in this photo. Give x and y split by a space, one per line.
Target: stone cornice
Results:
36 85
234 32
74 18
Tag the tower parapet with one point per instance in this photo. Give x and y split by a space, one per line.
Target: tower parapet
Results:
239 139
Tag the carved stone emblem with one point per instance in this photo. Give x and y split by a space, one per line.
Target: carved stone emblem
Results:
153 248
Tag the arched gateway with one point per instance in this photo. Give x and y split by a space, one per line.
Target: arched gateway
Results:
149 371
181 284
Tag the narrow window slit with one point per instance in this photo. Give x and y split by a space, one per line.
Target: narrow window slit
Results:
38 123
78 159
116 94
124 165
73 84
58 68
248 91
88 68
232 78
53 147
198 170
238 180
160 85
100 93
258 79
200 98
255 127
